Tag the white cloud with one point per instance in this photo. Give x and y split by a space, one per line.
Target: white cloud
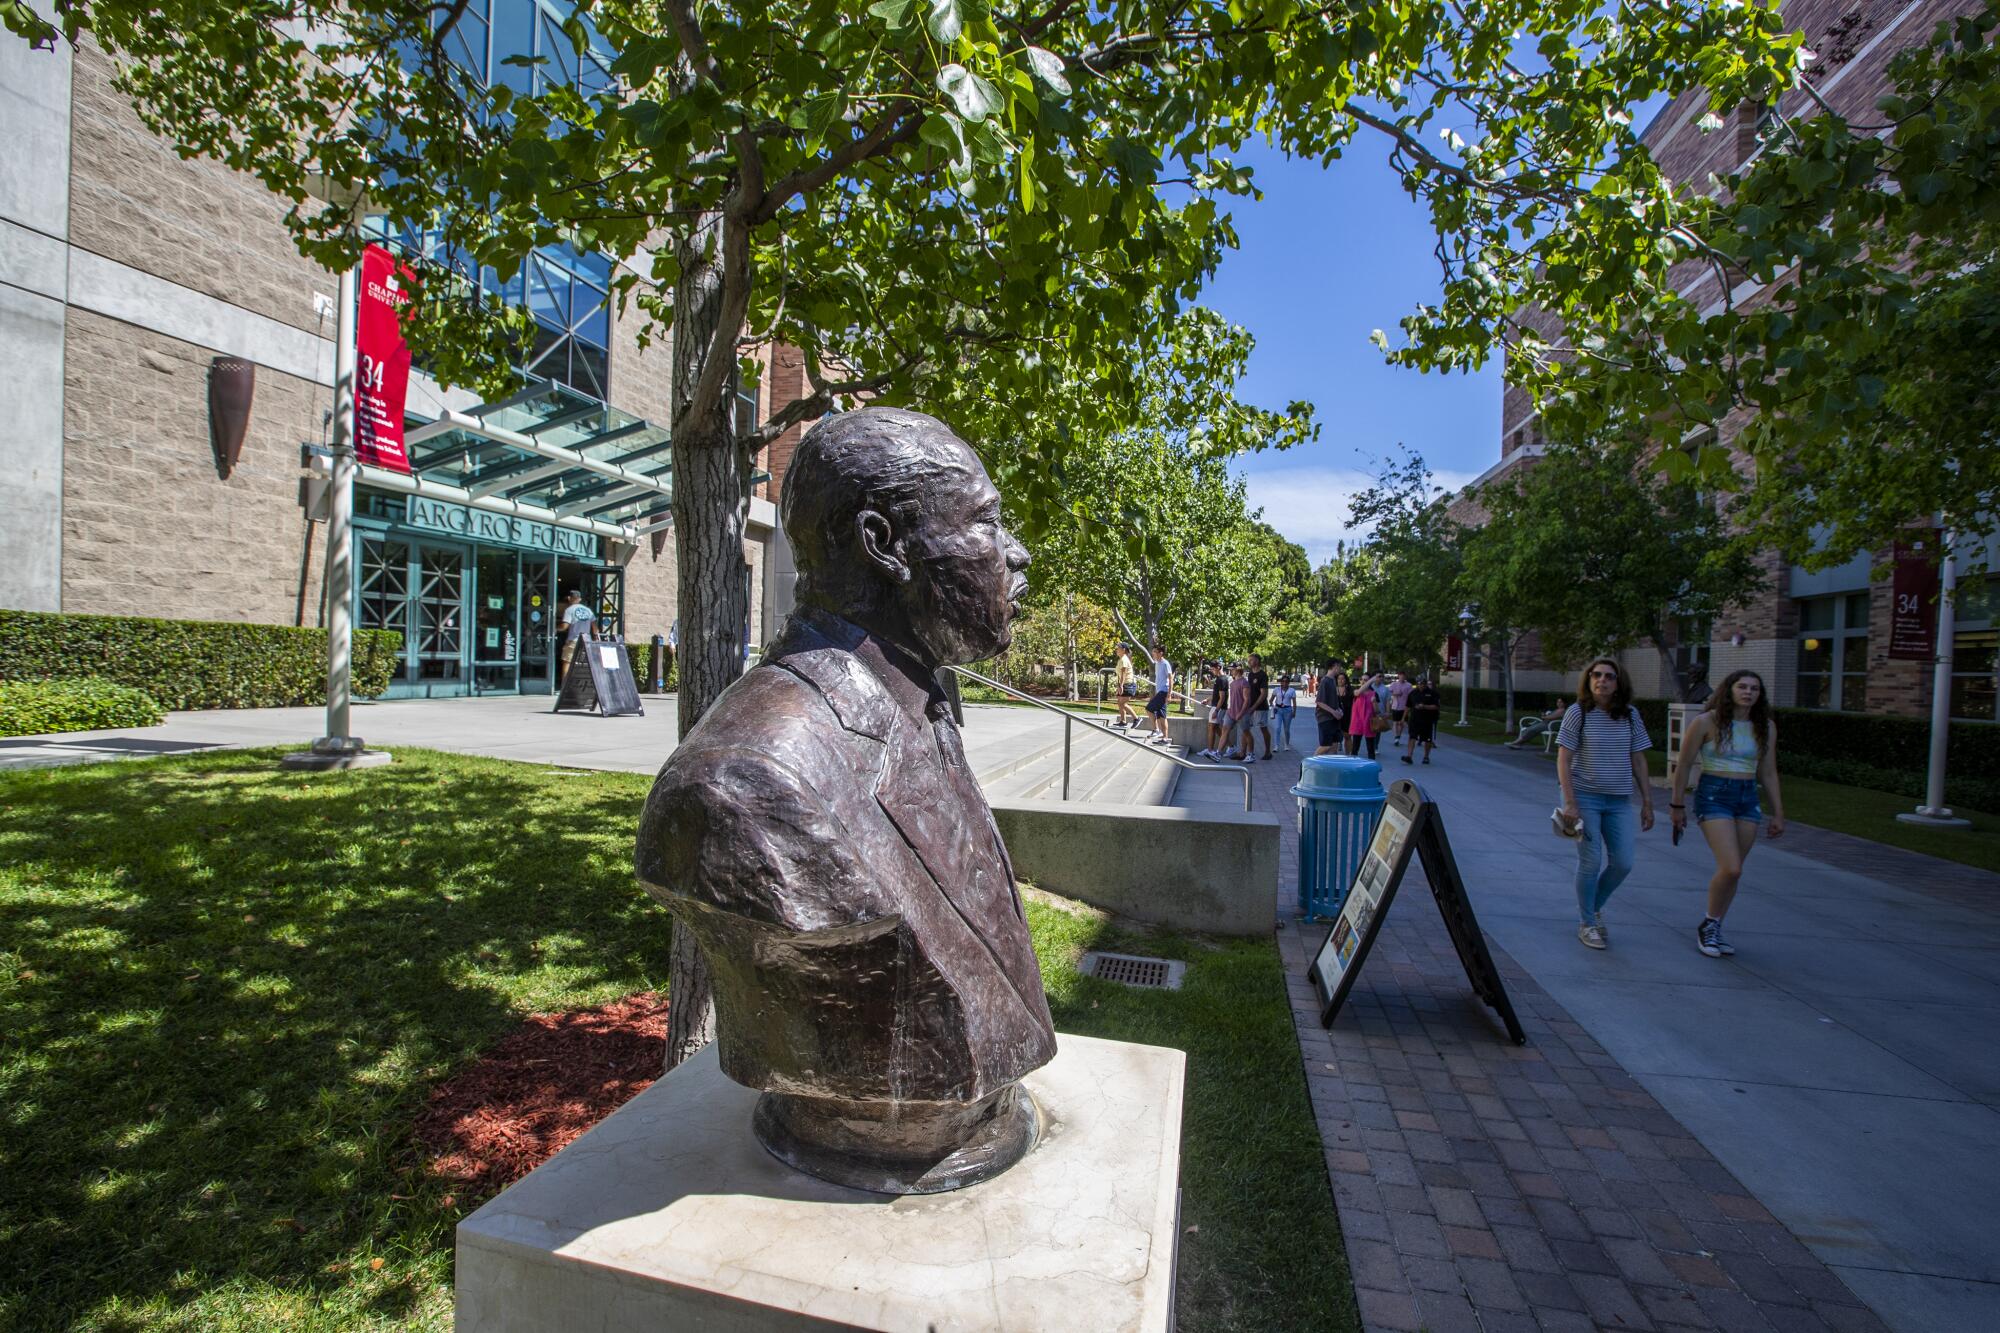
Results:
1309 505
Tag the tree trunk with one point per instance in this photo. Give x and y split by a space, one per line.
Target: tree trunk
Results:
711 517
1507 646
1069 642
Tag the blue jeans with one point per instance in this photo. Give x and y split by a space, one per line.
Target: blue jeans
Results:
1604 853
1281 720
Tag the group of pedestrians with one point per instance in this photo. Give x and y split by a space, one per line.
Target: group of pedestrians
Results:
1243 707
1601 767
1353 718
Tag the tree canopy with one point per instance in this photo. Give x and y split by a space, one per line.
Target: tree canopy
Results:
1856 326
1596 551
947 200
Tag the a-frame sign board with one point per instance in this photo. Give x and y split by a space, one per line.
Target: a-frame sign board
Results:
600 677
1410 823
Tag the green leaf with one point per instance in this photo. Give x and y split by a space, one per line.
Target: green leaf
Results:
946 20
891 12
975 98
946 133
1048 67
821 115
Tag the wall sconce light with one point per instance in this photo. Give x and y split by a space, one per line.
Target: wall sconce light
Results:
232 383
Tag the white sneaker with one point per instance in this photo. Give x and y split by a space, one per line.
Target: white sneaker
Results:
1592 936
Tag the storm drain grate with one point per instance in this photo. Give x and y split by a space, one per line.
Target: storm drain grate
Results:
1130 970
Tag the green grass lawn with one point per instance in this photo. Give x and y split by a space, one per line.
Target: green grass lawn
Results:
1860 811
226 990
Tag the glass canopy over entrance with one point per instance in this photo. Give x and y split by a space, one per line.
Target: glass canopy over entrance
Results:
549 453
509 506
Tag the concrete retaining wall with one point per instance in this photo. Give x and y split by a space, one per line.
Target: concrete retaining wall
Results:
1208 870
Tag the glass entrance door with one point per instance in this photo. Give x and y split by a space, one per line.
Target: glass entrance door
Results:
495 613
440 620
419 591
384 601
537 624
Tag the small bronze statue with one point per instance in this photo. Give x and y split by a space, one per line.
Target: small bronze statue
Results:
821 835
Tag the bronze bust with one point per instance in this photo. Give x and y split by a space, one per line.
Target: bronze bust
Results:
820 834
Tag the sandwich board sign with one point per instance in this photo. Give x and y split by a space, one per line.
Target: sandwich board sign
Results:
1410 824
600 677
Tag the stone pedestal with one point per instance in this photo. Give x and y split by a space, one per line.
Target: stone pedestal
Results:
670 1215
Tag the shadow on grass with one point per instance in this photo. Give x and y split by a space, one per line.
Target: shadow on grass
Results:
1260 1246
223 993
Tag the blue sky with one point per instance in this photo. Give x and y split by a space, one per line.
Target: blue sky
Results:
1327 256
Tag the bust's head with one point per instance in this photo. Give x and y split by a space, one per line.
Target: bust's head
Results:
895 525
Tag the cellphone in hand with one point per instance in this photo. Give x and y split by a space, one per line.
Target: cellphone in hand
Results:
1678 830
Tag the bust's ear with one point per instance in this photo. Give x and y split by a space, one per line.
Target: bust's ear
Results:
881 545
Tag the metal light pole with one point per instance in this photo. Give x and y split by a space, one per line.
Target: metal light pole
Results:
1464 664
1934 813
338 748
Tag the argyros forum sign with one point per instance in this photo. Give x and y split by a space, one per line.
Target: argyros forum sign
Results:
481 525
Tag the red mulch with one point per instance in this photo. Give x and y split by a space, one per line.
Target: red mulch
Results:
541 1087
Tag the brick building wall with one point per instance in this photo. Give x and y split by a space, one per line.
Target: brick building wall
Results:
133 200
785 383
148 527
171 262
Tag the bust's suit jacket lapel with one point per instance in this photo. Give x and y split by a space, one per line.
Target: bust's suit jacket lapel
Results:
927 792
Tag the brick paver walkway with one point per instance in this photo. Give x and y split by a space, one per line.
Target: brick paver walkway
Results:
1485 1186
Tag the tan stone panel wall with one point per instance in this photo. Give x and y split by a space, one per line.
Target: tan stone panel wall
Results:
148 527
650 596
195 223
641 378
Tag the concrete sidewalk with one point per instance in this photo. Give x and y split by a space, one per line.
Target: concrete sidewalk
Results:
1845 1064
519 727
1841 1072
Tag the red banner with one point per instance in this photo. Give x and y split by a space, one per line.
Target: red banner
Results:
382 369
1914 599
1454 654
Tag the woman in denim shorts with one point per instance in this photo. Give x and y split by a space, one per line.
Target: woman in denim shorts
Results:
1736 744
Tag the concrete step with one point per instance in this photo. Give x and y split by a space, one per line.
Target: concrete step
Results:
1104 769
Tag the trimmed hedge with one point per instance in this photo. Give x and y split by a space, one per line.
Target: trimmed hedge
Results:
642 665
36 707
190 663
1882 751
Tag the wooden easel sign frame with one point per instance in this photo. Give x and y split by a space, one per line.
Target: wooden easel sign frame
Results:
1410 823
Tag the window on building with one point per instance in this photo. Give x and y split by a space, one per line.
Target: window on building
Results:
1975 652
1833 652
521 43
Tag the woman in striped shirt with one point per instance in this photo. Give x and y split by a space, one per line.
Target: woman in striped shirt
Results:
1601 763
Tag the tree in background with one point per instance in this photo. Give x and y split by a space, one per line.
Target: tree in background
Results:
1152 526
1871 249
930 195
1398 597
1599 551
1060 625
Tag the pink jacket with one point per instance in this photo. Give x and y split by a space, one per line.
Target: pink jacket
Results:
1362 714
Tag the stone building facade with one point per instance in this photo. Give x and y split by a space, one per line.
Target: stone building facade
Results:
1819 639
124 273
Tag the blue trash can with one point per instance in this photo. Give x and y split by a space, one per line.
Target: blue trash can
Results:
1339 801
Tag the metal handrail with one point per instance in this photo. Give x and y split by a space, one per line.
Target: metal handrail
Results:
1069 717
